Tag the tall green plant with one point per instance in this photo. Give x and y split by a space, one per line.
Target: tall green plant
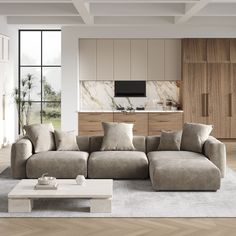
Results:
22 98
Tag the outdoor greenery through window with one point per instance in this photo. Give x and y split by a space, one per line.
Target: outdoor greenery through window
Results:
39 91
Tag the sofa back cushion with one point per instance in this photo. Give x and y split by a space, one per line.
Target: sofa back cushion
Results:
41 136
138 142
194 136
83 143
152 143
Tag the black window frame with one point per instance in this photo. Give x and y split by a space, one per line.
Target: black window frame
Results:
41 66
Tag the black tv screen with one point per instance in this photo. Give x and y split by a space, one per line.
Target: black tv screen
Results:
130 88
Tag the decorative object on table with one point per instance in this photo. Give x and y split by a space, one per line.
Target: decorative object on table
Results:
46 180
46 183
80 180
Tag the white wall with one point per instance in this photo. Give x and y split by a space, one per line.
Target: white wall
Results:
7 126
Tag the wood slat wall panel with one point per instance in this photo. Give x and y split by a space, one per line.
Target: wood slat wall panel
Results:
218 50
194 50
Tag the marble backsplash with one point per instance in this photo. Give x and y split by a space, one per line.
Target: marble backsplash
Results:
99 95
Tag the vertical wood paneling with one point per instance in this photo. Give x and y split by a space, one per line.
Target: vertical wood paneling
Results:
233 105
218 50
233 50
194 50
219 89
194 90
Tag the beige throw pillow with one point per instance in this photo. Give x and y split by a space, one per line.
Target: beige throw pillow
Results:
170 141
117 137
66 141
194 136
41 136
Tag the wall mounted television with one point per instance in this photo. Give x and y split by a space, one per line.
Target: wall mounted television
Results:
130 88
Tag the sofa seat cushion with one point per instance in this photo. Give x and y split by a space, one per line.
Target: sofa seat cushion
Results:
118 165
60 164
182 170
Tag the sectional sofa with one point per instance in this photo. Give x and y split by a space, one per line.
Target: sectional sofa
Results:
168 170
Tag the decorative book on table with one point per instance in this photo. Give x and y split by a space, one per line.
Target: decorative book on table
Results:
52 186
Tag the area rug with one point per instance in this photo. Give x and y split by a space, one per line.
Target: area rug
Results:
135 198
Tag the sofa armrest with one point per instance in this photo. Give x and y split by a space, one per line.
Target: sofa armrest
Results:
216 152
20 153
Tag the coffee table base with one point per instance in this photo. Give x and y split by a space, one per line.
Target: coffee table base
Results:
20 205
100 205
25 205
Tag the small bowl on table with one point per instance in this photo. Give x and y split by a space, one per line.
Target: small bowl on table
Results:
46 180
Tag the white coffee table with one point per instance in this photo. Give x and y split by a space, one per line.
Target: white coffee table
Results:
99 191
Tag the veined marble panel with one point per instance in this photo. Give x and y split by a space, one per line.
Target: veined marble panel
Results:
99 95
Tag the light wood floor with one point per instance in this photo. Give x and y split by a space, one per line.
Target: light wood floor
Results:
119 226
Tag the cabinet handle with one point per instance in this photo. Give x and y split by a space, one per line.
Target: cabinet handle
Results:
230 105
207 104
204 104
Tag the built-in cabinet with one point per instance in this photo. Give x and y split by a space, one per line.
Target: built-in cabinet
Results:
125 59
4 48
145 123
209 84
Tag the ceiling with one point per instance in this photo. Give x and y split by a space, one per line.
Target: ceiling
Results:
120 12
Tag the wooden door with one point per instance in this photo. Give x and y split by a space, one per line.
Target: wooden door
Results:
219 98
87 59
138 59
104 59
194 92
121 59
156 59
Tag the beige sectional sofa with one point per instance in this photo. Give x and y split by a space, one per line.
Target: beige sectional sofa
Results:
168 170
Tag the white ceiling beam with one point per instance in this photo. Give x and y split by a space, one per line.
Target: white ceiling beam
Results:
47 20
84 11
218 9
191 10
134 20
138 9
37 9
35 1
141 1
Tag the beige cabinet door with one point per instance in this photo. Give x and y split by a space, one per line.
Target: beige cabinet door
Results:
121 59
87 59
138 59
104 59
156 57
172 59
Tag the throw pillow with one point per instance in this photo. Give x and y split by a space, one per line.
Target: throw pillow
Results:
41 136
194 136
117 137
170 141
66 141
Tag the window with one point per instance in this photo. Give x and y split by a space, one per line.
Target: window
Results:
39 77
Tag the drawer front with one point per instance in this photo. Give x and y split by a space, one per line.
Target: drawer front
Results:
164 121
91 123
140 121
